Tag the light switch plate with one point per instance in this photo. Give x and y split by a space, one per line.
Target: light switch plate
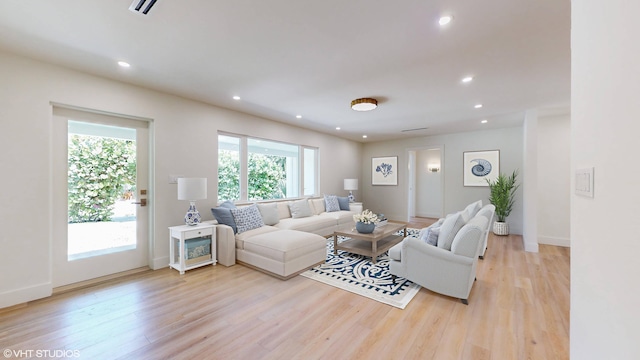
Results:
584 182
173 179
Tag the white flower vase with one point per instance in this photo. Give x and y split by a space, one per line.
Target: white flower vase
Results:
500 228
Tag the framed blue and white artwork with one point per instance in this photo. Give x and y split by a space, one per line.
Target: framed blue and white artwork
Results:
480 166
384 170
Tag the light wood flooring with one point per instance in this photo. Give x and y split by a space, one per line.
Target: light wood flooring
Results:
518 309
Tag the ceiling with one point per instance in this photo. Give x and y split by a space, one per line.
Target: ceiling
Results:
311 58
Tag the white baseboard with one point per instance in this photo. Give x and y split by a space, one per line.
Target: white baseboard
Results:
159 263
530 246
23 295
427 215
555 241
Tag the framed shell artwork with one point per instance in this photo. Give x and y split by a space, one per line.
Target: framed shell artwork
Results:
480 166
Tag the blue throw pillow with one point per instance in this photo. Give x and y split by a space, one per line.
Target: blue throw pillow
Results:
331 203
247 218
344 203
223 215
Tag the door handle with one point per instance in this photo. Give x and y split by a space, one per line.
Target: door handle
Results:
142 202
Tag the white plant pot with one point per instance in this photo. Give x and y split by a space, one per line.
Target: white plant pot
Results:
500 228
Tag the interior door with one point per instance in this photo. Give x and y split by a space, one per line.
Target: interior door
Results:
100 183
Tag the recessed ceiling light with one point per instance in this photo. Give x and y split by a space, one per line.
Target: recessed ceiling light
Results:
124 64
236 97
338 128
364 136
467 79
444 20
484 121
298 116
478 106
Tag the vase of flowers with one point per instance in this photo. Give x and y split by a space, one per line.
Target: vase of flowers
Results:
365 222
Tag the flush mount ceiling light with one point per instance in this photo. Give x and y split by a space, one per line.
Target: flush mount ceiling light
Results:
124 64
364 104
467 79
236 97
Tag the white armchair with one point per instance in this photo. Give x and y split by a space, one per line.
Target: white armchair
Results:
450 273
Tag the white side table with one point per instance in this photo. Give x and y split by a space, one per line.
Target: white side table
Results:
355 206
179 236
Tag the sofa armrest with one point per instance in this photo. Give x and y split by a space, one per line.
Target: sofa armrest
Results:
225 245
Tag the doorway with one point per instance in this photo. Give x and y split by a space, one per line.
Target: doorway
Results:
100 182
426 182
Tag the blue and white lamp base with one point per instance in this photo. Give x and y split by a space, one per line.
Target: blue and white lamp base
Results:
351 197
192 217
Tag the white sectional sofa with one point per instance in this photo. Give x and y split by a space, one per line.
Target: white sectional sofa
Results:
291 239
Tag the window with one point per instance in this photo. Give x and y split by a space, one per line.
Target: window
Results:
310 173
274 170
228 168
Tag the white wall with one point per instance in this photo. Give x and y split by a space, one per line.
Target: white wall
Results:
392 200
553 177
605 229
182 128
428 184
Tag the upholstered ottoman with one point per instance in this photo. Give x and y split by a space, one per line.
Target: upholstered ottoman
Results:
282 253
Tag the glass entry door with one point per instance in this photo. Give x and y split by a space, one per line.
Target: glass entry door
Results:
102 178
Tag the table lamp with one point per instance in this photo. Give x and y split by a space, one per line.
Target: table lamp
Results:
351 184
192 189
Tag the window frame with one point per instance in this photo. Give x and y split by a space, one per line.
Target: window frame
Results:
244 167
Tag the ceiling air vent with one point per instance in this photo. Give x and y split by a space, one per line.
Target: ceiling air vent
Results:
142 6
417 129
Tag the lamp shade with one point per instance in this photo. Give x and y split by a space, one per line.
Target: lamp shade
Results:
351 184
192 189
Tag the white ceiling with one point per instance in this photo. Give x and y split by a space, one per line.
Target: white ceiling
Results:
287 57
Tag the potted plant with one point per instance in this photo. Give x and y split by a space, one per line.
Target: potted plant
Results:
365 222
503 191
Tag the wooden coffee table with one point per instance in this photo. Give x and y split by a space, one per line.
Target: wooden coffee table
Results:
374 244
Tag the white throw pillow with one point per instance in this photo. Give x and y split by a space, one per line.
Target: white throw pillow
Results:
473 208
247 218
449 229
300 209
269 213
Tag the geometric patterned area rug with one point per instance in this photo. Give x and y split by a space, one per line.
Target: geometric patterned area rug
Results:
357 274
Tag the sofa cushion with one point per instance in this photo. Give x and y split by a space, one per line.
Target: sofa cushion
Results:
343 202
318 206
449 228
223 215
473 208
283 210
331 203
284 245
300 209
309 224
247 218
340 217
240 238
269 213
395 253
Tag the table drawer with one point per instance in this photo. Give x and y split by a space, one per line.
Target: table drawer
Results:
198 233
